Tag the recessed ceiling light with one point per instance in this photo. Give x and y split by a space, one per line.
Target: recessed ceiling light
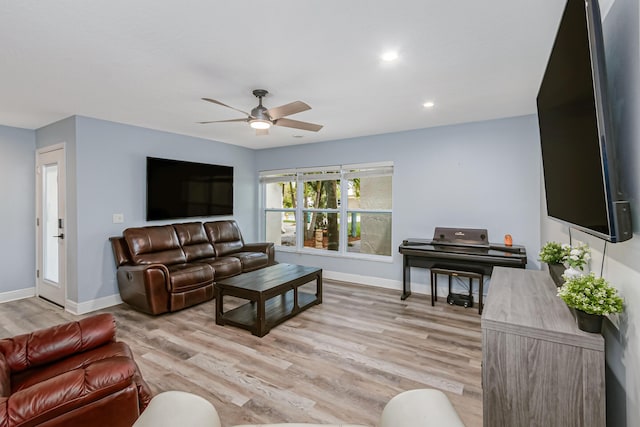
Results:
428 104
389 56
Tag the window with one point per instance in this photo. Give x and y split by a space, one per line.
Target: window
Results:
321 195
280 201
343 210
369 210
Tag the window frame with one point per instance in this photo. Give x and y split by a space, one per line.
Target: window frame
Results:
343 173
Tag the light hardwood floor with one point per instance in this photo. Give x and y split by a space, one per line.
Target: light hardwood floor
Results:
336 362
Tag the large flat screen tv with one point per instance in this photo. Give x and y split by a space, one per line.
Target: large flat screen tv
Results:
578 146
178 189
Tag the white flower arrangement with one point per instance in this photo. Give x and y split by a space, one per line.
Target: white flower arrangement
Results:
591 294
576 256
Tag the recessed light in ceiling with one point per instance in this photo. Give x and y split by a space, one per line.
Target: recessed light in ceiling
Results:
428 104
389 56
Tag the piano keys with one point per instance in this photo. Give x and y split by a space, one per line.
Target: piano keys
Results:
461 249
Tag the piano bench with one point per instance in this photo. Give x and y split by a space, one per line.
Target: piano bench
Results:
457 273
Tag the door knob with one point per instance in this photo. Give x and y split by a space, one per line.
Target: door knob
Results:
59 236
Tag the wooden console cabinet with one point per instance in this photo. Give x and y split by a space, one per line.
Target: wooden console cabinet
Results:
538 368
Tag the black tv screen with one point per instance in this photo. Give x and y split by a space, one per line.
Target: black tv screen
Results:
578 152
179 189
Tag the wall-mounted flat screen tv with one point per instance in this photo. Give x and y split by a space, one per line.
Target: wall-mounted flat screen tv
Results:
179 189
578 146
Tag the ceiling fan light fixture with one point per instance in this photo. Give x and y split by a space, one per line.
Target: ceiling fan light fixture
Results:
389 56
261 118
260 124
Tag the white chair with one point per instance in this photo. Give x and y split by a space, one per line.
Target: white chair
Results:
414 408
423 408
178 408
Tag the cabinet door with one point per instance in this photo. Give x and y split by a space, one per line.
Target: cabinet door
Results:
533 382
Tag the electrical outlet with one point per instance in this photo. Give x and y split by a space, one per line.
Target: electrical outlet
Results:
118 218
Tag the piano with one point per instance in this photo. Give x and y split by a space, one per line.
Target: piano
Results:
464 249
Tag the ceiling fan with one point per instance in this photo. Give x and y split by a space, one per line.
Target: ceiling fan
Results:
261 118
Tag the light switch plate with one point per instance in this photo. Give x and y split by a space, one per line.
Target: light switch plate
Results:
118 218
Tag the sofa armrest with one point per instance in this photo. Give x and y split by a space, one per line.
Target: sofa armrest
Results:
264 247
145 287
120 249
50 344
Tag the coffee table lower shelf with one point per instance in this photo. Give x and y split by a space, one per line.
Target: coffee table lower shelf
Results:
277 310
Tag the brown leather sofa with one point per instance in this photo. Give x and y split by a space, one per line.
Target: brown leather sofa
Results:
170 267
74 374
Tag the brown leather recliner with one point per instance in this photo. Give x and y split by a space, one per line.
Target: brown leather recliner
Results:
167 268
74 374
160 279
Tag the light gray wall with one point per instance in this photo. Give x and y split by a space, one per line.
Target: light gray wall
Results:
621 264
479 175
111 178
17 212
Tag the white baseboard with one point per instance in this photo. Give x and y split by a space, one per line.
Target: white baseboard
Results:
111 300
71 306
418 288
16 295
93 305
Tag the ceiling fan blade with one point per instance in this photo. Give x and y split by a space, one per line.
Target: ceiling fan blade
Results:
260 132
287 109
224 121
225 105
297 124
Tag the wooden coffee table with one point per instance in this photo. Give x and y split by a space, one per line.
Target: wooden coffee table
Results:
273 296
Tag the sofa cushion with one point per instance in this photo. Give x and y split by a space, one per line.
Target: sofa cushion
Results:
70 390
183 277
194 241
57 342
251 260
225 266
40 374
225 236
154 245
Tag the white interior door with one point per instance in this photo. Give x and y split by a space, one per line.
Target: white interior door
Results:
50 223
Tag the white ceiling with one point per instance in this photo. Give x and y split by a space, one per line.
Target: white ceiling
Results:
148 63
